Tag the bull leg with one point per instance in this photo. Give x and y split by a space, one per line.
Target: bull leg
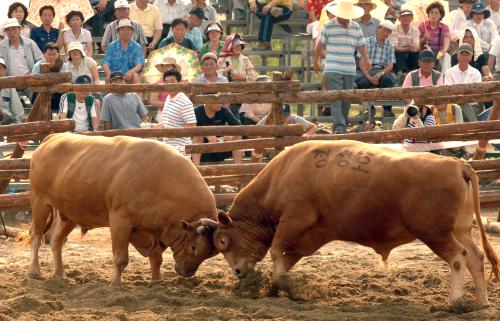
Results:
61 230
120 237
450 250
155 261
40 215
475 264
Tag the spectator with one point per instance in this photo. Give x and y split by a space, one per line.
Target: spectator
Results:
493 63
209 12
435 35
269 13
233 64
459 18
251 114
50 56
20 12
414 116
45 33
240 9
196 16
214 44
170 10
124 55
11 108
381 54
80 107
178 112
209 69
406 41
74 19
463 73
178 30
425 75
122 110
450 114
340 38
480 59
158 98
79 64
367 23
149 17
20 53
215 115
314 8
291 119
494 8
122 11
103 12
485 28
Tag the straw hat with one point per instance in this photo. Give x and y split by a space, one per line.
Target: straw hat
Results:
75 45
374 5
345 9
168 61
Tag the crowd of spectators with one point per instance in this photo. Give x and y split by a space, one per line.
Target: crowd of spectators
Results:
353 49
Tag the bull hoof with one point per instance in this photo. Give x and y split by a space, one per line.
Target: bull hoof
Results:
286 284
273 291
34 275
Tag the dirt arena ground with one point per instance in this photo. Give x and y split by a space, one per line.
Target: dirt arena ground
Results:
342 281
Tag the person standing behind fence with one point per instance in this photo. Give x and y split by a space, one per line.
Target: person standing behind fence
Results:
341 37
80 107
11 108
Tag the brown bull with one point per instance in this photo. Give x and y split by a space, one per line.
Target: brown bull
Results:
318 191
148 195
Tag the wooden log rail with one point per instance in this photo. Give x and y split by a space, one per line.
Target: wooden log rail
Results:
54 126
460 132
34 80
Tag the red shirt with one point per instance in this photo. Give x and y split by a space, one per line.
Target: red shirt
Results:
317 6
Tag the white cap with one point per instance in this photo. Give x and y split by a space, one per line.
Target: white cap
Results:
2 62
75 45
387 24
11 22
121 4
124 23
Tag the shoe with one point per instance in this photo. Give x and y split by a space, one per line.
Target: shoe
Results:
388 113
286 28
276 11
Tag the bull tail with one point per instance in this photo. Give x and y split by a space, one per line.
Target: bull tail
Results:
470 175
48 225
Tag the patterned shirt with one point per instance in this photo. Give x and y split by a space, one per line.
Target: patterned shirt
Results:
380 54
400 38
341 43
177 112
111 34
123 59
438 34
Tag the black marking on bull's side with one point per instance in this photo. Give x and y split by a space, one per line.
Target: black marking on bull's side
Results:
322 157
358 162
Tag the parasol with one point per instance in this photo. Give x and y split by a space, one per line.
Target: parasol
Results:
186 58
62 7
418 7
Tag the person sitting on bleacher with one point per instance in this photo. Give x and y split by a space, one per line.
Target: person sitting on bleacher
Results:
80 64
233 64
292 119
406 41
486 29
124 55
11 108
158 98
80 107
381 54
149 17
269 13
170 10
425 75
193 32
122 11
209 69
76 32
177 35
367 23
103 12
45 33
214 44
209 11
479 59
20 12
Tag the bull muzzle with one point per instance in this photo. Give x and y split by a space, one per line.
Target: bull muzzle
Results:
186 272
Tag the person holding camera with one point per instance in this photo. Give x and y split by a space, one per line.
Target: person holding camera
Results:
414 116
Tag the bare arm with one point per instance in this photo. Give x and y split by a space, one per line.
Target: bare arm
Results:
89 48
491 62
107 72
107 125
95 123
95 75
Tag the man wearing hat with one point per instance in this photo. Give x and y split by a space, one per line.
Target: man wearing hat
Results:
124 55
80 107
122 110
339 39
406 41
425 75
122 11
381 53
11 108
485 28
463 73
149 17
209 69
367 23
214 44
209 12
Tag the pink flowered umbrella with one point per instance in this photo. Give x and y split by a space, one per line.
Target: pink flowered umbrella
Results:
62 8
186 58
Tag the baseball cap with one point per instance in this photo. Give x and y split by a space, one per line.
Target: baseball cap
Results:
387 24
124 23
121 4
83 79
405 12
426 54
11 22
209 55
198 12
465 47
116 74
286 109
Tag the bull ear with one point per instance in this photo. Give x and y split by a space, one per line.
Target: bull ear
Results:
186 226
223 218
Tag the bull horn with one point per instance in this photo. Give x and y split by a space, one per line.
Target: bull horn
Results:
208 222
200 229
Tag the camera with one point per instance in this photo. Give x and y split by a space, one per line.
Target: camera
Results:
412 111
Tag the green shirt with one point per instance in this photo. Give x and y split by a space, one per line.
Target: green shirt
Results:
206 48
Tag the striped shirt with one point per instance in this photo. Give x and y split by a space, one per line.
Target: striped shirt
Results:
380 54
428 120
111 34
341 43
177 112
402 39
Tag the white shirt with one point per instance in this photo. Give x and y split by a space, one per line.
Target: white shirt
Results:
495 51
18 63
80 115
170 12
455 76
495 17
458 21
84 37
177 112
487 32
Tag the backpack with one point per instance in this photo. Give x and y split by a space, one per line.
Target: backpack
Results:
89 102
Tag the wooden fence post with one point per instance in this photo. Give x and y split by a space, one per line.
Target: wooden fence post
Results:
481 145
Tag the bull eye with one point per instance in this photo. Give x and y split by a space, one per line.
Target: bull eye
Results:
223 243
193 248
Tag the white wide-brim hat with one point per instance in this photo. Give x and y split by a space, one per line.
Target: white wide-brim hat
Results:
75 45
346 9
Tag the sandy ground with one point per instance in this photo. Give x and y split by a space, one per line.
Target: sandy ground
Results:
342 281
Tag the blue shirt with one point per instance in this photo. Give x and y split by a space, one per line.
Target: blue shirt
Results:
120 59
194 35
41 36
380 54
36 67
